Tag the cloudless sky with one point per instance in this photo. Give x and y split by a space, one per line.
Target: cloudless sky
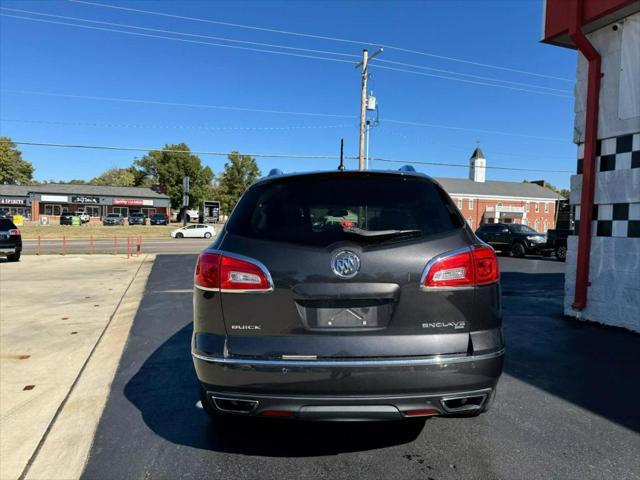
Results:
60 59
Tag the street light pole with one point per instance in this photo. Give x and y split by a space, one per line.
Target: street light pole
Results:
363 102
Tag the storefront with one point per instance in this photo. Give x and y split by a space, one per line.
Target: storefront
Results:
38 201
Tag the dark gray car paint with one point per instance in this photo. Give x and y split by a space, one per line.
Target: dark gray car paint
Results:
268 326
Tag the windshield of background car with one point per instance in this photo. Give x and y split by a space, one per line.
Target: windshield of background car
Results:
323 209
136 215
113 215
522 229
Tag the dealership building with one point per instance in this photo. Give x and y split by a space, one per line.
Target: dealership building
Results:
34 202
489 201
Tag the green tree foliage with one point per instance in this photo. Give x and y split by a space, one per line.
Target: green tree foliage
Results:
167 167
239 172
119 177
14 170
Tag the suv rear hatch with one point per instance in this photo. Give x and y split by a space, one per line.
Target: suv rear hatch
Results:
299 227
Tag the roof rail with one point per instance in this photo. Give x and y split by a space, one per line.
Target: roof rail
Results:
407 168
275 171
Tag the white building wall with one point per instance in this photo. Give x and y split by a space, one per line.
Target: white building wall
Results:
614 292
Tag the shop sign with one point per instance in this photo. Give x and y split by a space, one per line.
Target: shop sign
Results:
54 198
132 202
13 201
84 199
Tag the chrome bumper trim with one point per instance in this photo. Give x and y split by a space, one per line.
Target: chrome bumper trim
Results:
396 362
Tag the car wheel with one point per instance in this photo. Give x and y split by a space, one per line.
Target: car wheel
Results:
179 235
561 253
14 257
207 234
518 250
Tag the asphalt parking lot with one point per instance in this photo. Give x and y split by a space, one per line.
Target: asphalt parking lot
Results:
566 405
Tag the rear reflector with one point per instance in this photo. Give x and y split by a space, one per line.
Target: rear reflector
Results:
424 412
276 413
467 267
231 273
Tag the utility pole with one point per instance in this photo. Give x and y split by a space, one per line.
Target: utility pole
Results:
363 101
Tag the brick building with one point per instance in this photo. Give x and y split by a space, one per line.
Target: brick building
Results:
488 201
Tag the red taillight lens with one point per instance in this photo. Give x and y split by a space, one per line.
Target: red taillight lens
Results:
486 263
476 266
207 274
14 231
237 274
227 273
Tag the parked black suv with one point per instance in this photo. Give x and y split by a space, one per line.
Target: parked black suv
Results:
347 296
10 240
66 218
519 240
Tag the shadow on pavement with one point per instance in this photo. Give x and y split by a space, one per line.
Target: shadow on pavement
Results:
592 366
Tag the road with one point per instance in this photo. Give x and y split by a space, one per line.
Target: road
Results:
106 245
566 405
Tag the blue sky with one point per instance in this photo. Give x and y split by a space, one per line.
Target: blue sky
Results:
52 58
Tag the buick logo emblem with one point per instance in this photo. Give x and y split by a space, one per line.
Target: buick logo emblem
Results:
345 264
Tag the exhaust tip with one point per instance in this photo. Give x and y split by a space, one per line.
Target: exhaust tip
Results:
464 403
231 405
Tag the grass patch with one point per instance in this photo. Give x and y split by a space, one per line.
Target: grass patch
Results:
97 230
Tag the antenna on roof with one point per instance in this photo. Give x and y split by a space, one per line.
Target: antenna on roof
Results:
341 166
274 171
407 168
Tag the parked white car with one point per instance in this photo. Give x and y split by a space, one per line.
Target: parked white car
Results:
197 230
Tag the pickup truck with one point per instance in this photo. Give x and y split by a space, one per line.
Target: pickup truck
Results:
557 240
84 216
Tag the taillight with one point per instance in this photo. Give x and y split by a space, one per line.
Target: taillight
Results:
231 273
467 267
14 231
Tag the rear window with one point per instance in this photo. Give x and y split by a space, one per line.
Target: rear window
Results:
323 209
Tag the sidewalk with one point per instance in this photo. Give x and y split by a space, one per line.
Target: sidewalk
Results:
63 324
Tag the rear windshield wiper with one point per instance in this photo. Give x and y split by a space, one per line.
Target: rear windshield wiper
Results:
380 233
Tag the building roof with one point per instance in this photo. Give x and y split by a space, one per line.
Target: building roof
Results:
80 189
477 153
492 188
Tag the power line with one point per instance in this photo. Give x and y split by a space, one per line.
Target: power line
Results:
184 40
173 127
424 74
439 164
280 112
176 104
493 132
272 45
187 34
261 50
271 155
319 37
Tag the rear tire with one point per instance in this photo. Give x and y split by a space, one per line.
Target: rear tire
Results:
179 235
561 253
14 257
518 250
207 234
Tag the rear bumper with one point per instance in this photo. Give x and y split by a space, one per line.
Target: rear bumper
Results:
10 249
351 389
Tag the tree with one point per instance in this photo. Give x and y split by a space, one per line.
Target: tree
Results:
239 172
168 166
119 177
14 170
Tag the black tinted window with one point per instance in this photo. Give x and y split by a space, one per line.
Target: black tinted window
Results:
6 224
322 209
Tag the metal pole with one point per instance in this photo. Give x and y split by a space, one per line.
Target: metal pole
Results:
38 246
115 245
363 108
64 245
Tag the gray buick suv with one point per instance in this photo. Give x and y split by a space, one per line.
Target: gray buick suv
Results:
347 296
